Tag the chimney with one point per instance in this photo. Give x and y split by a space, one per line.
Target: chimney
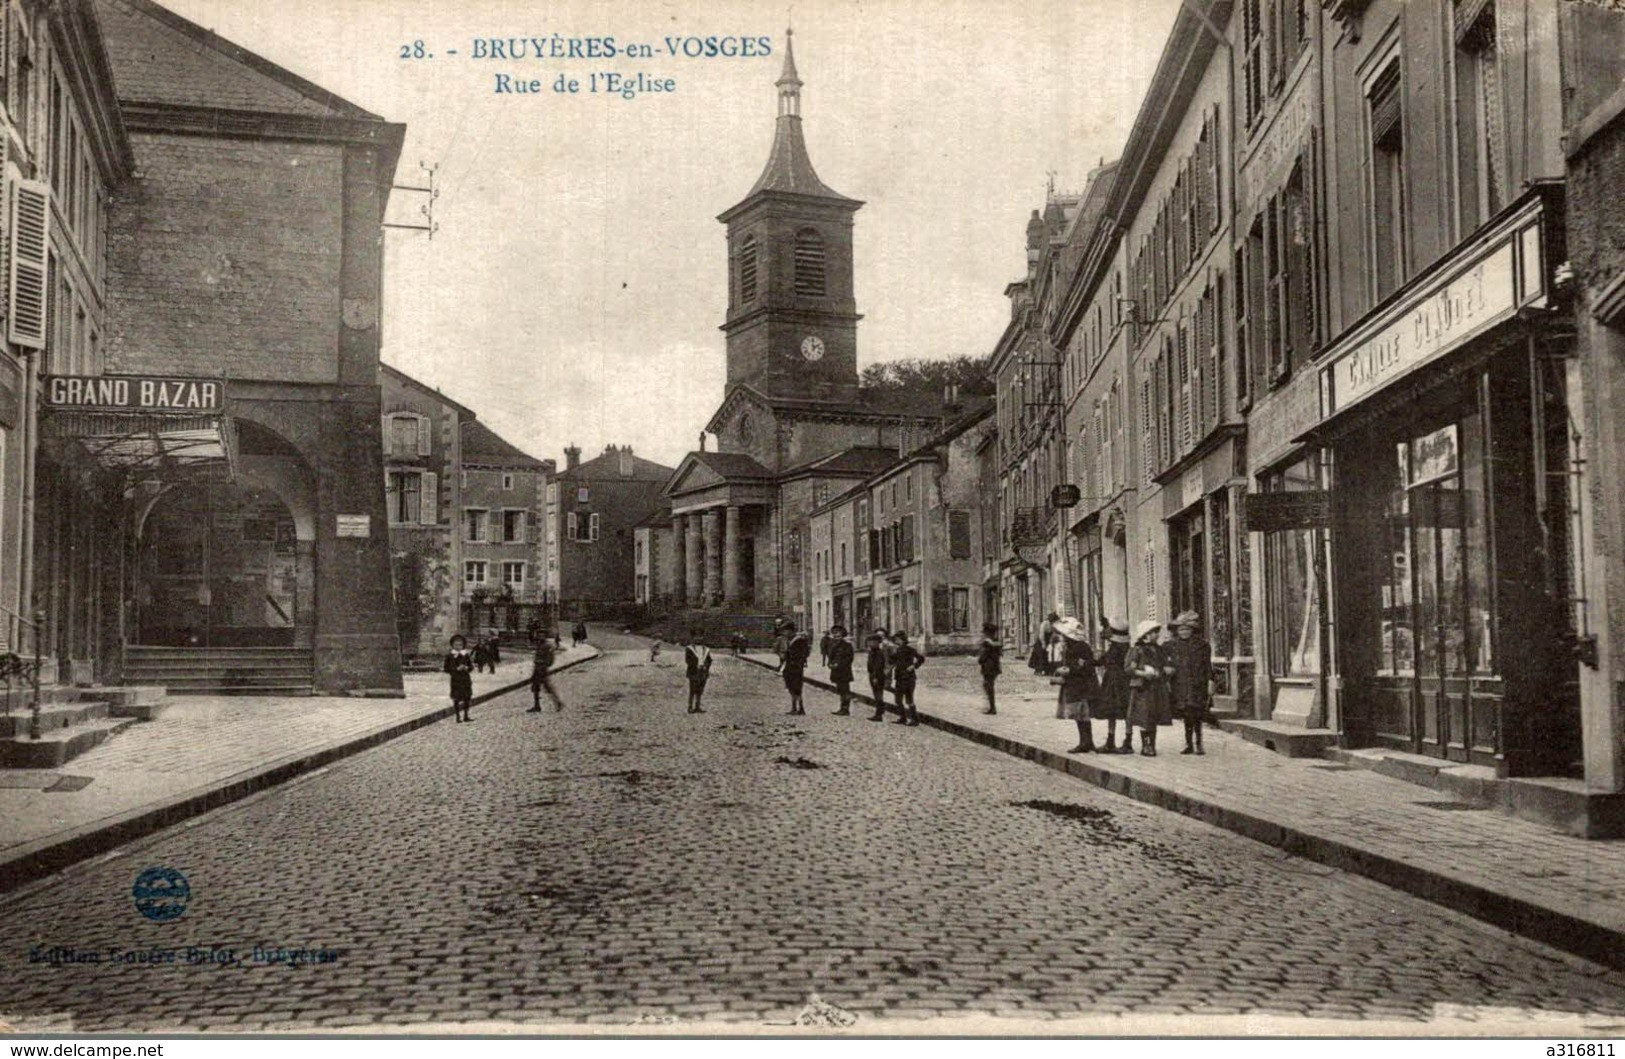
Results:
626 460
572 457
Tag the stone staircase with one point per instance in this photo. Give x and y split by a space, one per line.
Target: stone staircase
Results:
223 670
72 721
714 627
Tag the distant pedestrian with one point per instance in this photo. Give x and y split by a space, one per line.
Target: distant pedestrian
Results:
578 633
1148 686
988 656
493 648
654 651
839 657
738 642
460 664
482 656
541 668
905 662
879 667
794 667
1190 687
1112 702
697 663
1079 685
823 649
1050 642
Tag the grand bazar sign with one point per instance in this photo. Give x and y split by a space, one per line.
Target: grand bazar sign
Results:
134 393
1494 279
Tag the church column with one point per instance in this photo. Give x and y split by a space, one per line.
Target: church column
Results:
691 558
679 536
730 555
713 556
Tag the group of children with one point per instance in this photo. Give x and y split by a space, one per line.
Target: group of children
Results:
1143 684
461 664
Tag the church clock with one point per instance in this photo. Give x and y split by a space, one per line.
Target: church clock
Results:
812 348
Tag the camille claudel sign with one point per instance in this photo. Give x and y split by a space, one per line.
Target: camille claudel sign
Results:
134 393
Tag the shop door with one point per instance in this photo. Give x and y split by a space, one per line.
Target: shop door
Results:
864 618
1436 651
1190 565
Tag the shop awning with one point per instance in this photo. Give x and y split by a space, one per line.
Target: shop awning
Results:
143 441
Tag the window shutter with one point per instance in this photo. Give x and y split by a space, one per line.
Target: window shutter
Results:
592 526
1187 425
572 525
389 500
29 238
383 429
424 436
429 499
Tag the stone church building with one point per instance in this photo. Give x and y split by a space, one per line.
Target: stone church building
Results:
794 428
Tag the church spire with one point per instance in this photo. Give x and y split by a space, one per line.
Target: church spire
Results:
789 84
788 167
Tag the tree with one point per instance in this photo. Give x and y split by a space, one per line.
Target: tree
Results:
969 373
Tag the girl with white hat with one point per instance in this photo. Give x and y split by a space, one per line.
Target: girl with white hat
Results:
1078 683
1147 686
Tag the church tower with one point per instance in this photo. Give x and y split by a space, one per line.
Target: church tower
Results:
792 318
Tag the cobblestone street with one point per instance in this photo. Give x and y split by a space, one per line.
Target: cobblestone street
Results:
623 862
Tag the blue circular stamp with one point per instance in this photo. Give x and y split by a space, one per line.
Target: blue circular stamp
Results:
161 894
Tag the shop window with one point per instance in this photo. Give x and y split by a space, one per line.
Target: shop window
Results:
1292 603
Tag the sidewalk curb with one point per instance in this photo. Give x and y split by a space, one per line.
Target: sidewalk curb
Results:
59 852
1560 930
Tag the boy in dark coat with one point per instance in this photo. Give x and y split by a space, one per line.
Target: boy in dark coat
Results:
460 664
987 660
796 653
1113 697
905 662
1192 658
879 666
839 655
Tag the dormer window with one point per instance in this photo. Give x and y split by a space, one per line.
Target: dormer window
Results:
810 263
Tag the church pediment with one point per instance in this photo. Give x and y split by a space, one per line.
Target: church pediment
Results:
707 470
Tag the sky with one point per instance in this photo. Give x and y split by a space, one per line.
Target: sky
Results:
575 286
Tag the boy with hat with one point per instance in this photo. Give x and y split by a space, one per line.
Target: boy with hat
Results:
987 660
879 664
839 655
1190 687
905 660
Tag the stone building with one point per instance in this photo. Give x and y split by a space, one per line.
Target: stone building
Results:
423 489
211 249
593 509
504 551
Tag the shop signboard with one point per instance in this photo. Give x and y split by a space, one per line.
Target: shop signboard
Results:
1269 512
134 393
1065 496
1493 279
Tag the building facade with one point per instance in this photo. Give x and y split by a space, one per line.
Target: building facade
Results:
209 392
423 488
598 504
504 490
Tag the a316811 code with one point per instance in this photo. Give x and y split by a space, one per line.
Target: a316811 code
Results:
1581 1051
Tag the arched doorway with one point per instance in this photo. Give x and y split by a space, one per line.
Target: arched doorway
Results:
219 564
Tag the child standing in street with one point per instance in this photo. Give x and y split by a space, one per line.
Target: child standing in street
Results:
1079 685
987 659
697 662
796 653
879 665
905 662
839 656
1190 684
541 665
1147 686
460 664
1113 698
